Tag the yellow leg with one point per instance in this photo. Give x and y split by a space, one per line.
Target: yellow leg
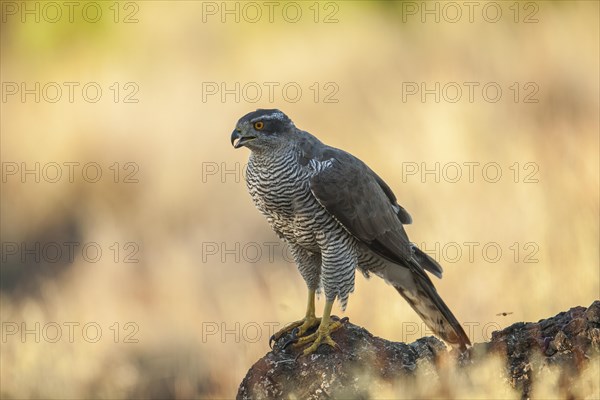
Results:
309 321
323 334
310 306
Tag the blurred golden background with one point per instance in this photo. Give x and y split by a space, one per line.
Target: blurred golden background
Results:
134 264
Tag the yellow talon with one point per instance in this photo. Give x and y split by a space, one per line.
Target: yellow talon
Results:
298 329
307 325
303 325
322 335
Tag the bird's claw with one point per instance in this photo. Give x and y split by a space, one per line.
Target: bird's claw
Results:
321 336
318 338
293 338
295 329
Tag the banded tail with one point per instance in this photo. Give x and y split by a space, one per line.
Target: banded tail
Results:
412 282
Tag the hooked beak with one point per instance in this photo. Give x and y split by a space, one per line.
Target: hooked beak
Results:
243 139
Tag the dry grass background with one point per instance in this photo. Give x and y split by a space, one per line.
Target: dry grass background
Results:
175 294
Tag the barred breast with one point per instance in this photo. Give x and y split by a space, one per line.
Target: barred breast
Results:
280 188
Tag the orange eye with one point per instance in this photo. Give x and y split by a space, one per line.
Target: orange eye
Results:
259 125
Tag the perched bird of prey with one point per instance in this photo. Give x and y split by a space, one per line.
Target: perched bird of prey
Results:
336 216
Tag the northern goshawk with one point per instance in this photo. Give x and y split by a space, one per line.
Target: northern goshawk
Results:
336 215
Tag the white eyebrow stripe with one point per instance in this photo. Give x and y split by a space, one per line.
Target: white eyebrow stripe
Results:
276 115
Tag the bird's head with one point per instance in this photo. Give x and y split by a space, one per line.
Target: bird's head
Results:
263 130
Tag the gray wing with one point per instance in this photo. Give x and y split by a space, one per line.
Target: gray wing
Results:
362 202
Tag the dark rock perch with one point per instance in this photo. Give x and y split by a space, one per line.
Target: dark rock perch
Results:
567 341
